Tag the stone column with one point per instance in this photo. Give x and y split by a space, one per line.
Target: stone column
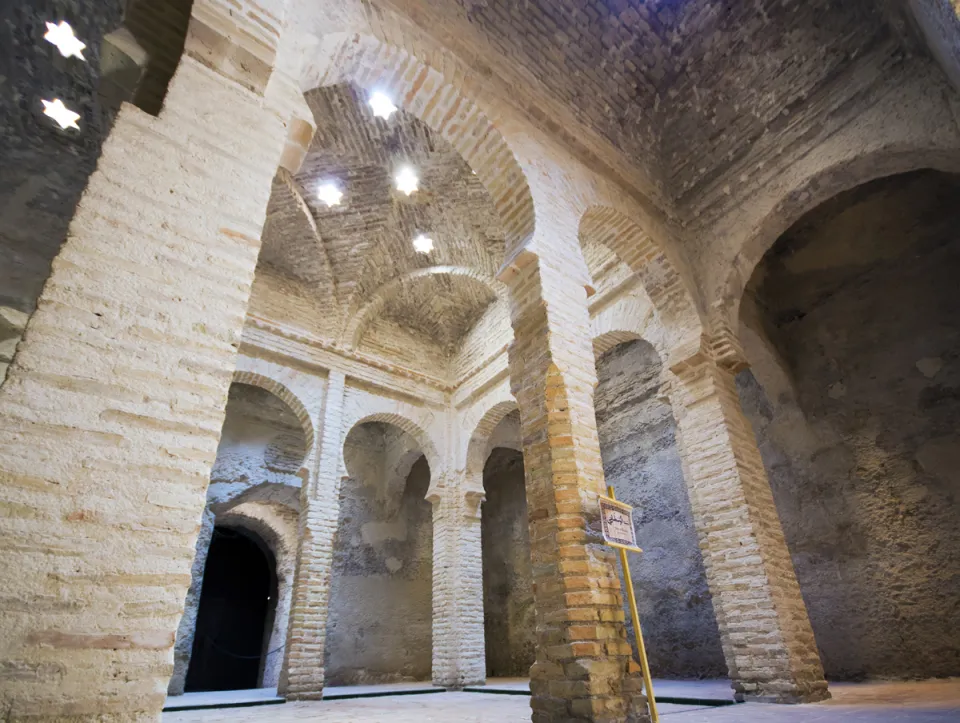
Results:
302 677
583 670
458 636
111 412
183 647
765 632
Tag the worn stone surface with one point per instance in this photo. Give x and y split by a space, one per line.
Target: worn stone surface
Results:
640 459
857 348
379 624
262 445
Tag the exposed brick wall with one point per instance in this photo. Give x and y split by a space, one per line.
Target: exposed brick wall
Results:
775 656
583 669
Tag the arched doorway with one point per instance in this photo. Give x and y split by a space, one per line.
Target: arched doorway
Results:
379 624
509 622
235 619
850 324
641 460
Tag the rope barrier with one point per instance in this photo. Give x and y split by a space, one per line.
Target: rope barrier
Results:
242 657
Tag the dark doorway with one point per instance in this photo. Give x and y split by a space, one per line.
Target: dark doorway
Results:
509 621
237 602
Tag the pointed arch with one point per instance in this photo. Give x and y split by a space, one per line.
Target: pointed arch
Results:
477 448
810 192
674 303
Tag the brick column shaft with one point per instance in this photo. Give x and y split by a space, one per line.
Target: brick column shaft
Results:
302 678
458 634
765 632
583 670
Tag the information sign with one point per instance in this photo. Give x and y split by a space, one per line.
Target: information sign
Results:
617 519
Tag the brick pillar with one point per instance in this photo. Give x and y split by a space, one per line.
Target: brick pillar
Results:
458 642
112 409
583 670
765 632
187 630
302 677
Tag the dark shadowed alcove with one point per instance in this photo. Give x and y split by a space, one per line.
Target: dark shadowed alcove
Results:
508 614
237 603
851 325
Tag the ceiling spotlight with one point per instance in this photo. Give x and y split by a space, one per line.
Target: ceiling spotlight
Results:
423 244
62 36
407 180
382 106
64 117
330 194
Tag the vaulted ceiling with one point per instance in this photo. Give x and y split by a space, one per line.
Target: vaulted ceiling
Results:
682 89
361 251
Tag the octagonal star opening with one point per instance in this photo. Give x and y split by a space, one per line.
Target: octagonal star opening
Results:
382 106
423 244
330 194
407 180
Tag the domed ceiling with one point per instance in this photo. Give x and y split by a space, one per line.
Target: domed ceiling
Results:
360 251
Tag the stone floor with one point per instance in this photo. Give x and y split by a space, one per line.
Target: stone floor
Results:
922 702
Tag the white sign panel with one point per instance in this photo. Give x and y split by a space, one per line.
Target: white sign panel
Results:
617 519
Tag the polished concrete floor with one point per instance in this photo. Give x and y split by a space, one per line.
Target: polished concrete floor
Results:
920 702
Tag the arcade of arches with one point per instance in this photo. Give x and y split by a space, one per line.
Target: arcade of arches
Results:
269 418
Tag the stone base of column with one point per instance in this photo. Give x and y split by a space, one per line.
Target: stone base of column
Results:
773 691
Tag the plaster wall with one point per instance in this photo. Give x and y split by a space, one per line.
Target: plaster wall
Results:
380 614
640 459
854 400
509 620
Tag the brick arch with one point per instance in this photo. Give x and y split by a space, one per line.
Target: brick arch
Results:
427 447
477 451
429 95
359 321
806 195
672 300
607 341
282 392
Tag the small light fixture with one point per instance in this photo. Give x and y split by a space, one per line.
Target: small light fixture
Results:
64 117
423 244
407 180
62 36
382 106
330 194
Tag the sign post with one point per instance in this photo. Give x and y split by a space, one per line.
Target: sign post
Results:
618 531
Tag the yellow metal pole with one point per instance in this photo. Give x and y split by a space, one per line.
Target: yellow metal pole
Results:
641 649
